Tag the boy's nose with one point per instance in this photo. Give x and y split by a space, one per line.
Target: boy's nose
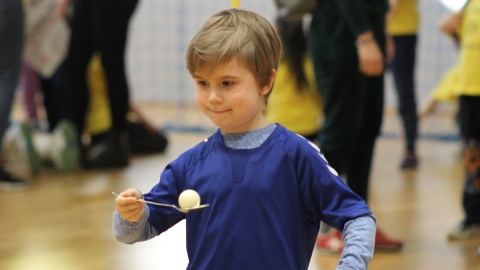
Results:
214 96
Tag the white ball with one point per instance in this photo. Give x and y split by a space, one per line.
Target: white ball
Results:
189 198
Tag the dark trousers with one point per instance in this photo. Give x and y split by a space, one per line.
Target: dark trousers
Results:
352 103
402 67
11 48
470 130
99 26
52 88
353 117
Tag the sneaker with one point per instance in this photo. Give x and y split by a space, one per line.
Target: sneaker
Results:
143 140
409 161
65 148
464 231
10 183
24 142
384 243
112 152
333 243
330 242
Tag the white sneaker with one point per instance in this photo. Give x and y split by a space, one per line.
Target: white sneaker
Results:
464 232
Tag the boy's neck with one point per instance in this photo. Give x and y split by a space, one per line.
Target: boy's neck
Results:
262 123
249 139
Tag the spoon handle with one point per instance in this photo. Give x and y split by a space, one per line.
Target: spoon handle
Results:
169 205
149 202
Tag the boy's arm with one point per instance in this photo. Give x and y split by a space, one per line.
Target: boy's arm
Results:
131 232
359 243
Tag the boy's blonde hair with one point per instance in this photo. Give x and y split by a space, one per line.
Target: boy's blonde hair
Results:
236 32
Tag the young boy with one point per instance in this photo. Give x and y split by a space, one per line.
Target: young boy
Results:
268 188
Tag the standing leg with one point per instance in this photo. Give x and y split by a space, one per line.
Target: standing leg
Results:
110 21
403 66
11 44
371 113
80 51
470 131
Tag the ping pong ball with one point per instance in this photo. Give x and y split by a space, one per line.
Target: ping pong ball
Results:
189 198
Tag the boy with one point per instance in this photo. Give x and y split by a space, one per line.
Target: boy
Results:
268 188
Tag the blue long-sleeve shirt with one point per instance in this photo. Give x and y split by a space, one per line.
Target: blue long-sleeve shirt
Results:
266 202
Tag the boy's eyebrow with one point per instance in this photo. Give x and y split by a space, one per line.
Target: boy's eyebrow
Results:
228 76
223 77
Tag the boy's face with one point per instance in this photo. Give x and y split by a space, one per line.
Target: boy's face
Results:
230 96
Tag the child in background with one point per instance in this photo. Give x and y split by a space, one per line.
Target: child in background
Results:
295 102
468 90
403 24
268 188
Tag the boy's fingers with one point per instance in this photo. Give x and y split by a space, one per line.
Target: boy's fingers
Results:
132 215
125 200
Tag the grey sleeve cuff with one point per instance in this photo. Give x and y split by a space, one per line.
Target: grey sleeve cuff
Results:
131 232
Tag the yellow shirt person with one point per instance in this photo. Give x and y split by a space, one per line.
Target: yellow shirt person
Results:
299 111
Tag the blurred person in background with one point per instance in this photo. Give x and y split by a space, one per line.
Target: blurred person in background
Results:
403 22
11 47
463 26
295 102
349 53
99 26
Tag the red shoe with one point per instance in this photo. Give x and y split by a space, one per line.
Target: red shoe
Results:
384 243
331 242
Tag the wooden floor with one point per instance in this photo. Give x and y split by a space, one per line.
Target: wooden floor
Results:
63 221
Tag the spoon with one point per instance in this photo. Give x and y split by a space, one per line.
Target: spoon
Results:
183 210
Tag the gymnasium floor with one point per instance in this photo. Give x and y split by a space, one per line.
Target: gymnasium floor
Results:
63 221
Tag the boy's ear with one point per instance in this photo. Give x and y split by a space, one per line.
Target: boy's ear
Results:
267 88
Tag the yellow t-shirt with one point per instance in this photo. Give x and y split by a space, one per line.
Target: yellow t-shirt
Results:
298 111
469 63
405 19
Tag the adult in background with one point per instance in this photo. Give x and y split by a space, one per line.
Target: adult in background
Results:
11 44
99 26
348 48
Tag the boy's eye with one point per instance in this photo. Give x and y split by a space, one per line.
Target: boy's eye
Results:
202 83
227 83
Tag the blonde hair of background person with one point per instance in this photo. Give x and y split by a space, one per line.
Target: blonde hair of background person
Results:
266 186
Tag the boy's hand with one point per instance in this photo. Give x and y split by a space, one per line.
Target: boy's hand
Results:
127 205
